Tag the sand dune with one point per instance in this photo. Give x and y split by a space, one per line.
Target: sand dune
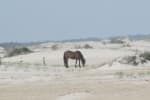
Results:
24 77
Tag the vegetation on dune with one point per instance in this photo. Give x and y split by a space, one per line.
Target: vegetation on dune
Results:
136 59
133 74
145 55
118 41
18 51
55 47
86 46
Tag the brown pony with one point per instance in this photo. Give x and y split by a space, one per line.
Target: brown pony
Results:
77 55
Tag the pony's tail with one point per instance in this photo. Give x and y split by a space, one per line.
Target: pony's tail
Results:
65 61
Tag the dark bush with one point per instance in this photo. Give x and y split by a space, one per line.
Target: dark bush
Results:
55 47
117 41
87 46
18 51
145 55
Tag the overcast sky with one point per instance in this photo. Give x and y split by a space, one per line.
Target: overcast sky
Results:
36 20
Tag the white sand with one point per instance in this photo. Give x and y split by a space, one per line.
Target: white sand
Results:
103 78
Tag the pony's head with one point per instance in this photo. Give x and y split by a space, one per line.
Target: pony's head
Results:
82 58
83 61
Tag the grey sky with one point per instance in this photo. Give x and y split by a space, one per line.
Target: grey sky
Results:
33 20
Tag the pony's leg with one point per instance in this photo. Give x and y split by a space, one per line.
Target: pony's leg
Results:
76 63
79 63
67 63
